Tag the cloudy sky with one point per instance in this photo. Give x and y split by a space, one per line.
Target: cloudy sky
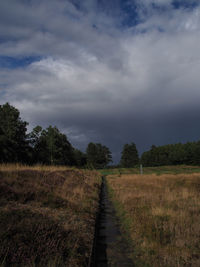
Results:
113 72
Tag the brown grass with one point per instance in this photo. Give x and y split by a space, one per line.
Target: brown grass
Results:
19 167
164 216
47 215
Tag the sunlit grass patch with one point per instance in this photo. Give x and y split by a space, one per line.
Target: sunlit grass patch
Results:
19 167
164 212
177 169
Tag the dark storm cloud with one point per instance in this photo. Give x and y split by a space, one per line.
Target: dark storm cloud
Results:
103 72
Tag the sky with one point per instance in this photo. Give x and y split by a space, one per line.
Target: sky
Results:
109 72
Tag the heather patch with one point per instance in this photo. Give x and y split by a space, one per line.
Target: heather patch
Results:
47 217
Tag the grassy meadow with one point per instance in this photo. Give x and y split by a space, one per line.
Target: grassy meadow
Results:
176 169
160 215
47 215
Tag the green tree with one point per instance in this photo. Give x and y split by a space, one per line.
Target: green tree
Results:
13 139
98 156
80 158
172 154
50 146
129 156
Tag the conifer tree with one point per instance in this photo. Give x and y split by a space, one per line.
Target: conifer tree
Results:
129 156
13 139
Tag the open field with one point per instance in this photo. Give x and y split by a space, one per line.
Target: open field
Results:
161 215
47 215
150 170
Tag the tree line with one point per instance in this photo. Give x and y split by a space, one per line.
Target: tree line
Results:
43 146
172 154
50 146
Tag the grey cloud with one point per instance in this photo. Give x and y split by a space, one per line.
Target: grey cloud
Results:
103 84
50 27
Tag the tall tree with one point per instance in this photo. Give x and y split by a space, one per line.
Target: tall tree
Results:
51 146
98 156
80 158
13 139
129 156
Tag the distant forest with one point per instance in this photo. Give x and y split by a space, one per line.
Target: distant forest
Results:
172 154
51 147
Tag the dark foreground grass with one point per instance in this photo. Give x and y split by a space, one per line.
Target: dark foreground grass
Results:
47 216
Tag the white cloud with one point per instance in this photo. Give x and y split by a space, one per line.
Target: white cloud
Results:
171 21
152 64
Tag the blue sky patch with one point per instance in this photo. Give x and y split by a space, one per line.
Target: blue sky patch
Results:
190 4
13 62
131 16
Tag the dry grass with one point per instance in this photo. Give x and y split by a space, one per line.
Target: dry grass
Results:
164 216
47 215
20 167
175 169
